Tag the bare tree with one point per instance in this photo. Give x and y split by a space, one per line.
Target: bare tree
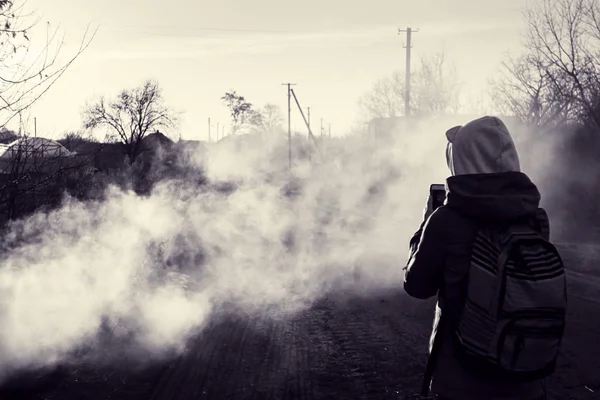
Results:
435 90
524 90
271 117
254 118
557 80
241 111
436 86
24 76
73 140
131 116
386 98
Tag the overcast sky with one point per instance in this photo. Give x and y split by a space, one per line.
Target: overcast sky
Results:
197 50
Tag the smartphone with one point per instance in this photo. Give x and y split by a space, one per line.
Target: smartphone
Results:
438 195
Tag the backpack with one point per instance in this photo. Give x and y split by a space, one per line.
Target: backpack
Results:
514 316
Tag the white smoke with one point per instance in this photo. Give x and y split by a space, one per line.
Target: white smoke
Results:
161 267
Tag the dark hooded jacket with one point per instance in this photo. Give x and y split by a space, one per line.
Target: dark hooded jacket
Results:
486 186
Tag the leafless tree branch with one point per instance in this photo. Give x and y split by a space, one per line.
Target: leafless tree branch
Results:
435 90
557 80
132 115
25 78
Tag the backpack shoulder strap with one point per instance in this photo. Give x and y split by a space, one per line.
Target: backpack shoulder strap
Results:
542 222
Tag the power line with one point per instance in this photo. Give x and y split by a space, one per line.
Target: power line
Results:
185 31
195 31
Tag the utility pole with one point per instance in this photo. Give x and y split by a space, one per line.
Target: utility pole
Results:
34 126
308 123
321 128
330 130
218 132
310 134
289 94
408 48
208 129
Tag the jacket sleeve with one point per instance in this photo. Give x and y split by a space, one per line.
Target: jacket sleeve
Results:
424 270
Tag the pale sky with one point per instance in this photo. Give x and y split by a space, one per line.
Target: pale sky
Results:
333 50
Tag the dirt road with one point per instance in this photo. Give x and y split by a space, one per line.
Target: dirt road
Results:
360 349
366 349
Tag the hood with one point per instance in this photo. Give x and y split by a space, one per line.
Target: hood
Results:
493 197
482 146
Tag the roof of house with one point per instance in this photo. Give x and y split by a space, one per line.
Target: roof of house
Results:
157 138
33 146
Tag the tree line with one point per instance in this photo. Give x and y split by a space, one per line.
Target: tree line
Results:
554 82
552 85
136 112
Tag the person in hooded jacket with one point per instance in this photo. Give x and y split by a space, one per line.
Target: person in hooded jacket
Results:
486 185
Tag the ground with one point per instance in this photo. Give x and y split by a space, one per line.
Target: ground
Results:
370 348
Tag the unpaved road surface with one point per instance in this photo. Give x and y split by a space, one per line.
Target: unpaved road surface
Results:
365 349
372 348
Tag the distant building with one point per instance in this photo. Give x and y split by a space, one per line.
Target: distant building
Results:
7 136
153 146
111 156
155 140
32 154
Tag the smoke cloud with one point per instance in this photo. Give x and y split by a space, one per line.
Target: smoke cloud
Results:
562 162
156 269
